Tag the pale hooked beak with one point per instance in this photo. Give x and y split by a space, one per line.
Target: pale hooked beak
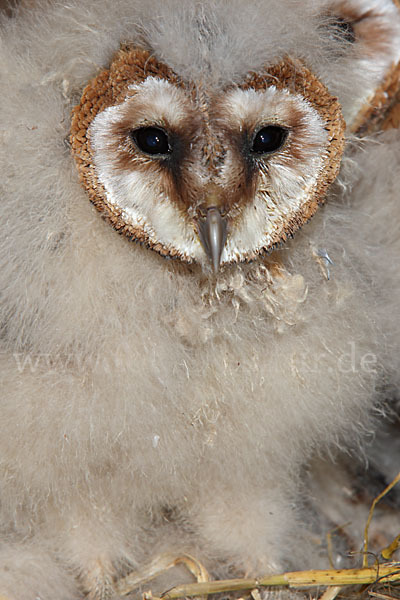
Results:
212 233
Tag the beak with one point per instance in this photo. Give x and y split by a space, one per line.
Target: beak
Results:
212 233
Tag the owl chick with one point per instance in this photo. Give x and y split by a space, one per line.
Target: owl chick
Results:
164 388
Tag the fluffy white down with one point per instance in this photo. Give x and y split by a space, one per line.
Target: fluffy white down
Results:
130 384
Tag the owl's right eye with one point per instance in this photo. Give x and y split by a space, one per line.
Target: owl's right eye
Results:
268 139
151 140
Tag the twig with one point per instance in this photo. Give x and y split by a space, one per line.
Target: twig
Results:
388 552
370 515
331 593
329 544
159 566
380 596
330 577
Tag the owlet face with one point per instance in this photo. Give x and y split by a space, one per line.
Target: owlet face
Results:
213 177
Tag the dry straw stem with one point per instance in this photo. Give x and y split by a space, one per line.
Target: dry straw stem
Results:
329 543
380 596
331 593
388 573
389 551
158 566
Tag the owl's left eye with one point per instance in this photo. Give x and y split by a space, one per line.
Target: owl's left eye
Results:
151 140
268 139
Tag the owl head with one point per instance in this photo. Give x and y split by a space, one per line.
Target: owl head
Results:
220 174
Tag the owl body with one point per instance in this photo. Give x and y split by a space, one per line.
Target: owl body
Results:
151 404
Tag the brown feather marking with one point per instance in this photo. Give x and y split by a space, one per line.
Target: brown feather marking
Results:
382 112
369 28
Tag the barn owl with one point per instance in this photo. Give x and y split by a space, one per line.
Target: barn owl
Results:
199 277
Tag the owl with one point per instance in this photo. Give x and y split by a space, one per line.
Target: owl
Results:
199 272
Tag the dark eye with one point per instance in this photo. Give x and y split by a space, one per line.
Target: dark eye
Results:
151 140
268 139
